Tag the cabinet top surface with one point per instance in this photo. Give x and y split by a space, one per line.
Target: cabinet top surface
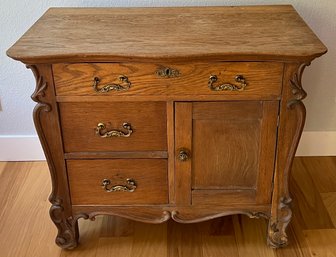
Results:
174 33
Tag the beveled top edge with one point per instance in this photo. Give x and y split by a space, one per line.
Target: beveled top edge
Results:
24 52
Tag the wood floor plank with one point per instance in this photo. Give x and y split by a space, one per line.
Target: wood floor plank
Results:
297 232
89 239
307 203
2 166
250 237
116 227
12 178
321 242
24 230
218 237
115 247
219 246
149 240
329 200
293 249
322 169
184 240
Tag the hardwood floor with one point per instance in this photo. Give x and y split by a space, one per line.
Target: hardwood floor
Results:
27 231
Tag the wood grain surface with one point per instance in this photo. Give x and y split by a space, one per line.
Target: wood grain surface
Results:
148 122
264 79
183 141
85 179
233 148
27 231
217 33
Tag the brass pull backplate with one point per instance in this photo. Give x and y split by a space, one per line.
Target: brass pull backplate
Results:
101 131
124 85
227 86
129 187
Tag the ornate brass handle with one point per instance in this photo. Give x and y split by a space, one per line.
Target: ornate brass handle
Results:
125 85
129 187
113 133
227 86
183 155
167 72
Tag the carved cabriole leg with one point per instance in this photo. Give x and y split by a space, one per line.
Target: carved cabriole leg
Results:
292 119
47 126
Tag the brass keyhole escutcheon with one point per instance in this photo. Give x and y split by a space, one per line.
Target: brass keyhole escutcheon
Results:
184 155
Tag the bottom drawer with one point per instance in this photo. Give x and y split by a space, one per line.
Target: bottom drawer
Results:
115 182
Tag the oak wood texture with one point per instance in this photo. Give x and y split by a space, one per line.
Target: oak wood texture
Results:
46 120
171 150
264 79
116 155
26 229
183 140
211 33
85 180
232 150
197 154
148 122
291 121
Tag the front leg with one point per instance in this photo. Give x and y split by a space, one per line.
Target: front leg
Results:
46 119
276 232
68 234
292 118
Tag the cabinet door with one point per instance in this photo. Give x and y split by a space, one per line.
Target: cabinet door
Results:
225 152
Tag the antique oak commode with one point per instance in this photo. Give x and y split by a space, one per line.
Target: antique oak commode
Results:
158 113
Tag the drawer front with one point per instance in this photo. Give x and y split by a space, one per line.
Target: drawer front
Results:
138 79
116 126
258 79
262 80
115 182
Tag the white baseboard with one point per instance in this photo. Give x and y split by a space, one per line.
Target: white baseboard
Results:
28 148
20 148
317 143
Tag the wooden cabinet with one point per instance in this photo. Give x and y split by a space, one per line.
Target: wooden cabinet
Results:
169 113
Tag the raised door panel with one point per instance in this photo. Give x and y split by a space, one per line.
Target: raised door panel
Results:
232 146
226 139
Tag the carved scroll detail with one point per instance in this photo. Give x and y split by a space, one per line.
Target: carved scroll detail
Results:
296 85
165 216
67 236
277 236
38 96
39 93
175 215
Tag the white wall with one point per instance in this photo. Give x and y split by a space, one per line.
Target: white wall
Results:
17 83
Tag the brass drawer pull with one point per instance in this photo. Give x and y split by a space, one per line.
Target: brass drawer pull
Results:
124 85
101 127
129 187
227 86
184 155
167 72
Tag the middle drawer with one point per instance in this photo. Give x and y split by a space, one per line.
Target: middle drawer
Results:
116 126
